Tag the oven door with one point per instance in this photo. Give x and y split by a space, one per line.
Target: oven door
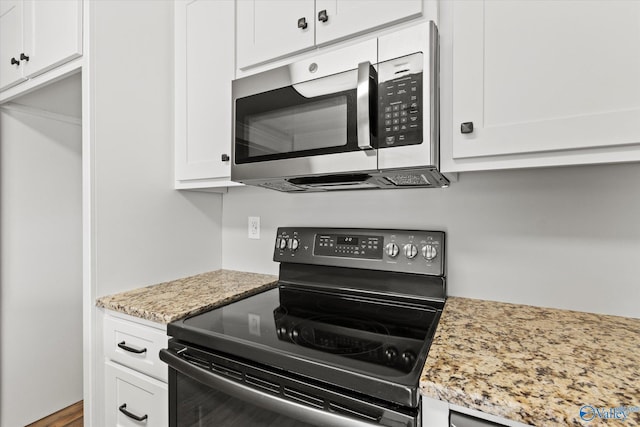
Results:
307 118
212 393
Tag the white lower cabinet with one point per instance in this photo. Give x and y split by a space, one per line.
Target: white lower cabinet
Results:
136 346
134 399
438 413
136 390
435 413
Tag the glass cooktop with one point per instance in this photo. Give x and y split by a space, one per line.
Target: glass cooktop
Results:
303 331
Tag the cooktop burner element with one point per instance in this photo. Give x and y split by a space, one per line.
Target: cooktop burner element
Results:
355 311
325 334
373 331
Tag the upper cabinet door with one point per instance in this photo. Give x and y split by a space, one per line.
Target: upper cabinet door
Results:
204 69
11 43
542 76
336 19
36 36
271 29
53 33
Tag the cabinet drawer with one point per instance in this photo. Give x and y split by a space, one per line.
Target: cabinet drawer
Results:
130 395
135 346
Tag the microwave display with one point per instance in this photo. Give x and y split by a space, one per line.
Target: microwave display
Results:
348 246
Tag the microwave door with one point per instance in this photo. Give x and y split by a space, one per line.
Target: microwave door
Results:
303 129
366 101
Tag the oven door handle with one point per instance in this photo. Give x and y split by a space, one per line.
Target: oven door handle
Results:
258 397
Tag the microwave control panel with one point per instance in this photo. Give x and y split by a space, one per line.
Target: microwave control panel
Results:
400 103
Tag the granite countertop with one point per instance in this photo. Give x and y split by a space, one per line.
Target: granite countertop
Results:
534 365
166 302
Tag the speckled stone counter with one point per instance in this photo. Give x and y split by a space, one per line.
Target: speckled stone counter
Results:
534 365
166 302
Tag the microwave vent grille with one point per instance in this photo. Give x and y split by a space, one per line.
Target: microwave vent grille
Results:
408 180
280 186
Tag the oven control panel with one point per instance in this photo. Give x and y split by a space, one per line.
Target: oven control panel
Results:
409 251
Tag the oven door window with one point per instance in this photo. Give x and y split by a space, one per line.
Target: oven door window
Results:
198 405
306 119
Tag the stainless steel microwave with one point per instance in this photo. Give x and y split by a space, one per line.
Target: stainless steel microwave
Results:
364 116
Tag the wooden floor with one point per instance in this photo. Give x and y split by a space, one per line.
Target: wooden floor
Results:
70 416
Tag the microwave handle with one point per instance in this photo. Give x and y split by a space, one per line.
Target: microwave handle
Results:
362 104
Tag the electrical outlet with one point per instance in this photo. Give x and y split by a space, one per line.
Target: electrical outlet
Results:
254 324
254 227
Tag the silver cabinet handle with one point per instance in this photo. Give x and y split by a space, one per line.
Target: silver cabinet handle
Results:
362 105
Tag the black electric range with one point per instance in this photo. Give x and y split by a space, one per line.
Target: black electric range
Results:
341 340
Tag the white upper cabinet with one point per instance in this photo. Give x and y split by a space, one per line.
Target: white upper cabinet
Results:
37 36
336 19
204 69
53 32
268 30
272 29
11 36
545 79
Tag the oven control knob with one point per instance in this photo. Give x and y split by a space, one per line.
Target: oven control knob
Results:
410 250
408 359
294 334
293 244
429 252
282 243
392 250
390 355
282 332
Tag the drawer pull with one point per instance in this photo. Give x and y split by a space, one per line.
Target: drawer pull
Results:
123 409
125 347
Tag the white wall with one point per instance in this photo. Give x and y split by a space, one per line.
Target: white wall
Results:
142 231
145 232
558 237
41 267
